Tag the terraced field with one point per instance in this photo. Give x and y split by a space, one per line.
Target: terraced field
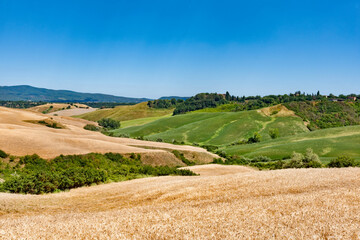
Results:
215 128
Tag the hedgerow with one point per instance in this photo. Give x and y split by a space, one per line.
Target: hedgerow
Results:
34 175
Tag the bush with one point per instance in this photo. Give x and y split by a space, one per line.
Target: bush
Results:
218 161
210 148
3 154
298 160
123 135
183 158
255 138
109 123
342 161
274 133
91 127
261 159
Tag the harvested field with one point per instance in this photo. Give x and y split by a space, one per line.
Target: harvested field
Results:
19 138
129 112
53 107
73 112
243 204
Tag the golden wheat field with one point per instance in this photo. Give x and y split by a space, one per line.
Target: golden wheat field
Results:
224 202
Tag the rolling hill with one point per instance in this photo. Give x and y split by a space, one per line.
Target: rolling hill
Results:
29 93
330 142
54 107
226 130
129 112
19 136
217 128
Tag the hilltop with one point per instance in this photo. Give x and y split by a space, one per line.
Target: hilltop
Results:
218 128
54 107
29 93
62 109
123 113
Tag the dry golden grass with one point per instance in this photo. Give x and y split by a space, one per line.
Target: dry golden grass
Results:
21 138
72 112
55 107
127 112
277 111
243 204
61 109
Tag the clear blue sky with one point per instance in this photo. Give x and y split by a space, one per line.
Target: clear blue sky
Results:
156 48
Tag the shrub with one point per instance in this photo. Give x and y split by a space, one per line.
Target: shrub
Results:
218 161
236 160
123 135
109 123
3 154
298 160
261 159
91 127
181 156
210 148
274 133
255 138
342 161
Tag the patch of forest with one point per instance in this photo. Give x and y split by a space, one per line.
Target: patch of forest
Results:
327 114
34 175
20 104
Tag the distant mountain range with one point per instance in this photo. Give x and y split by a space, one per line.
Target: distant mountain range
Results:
29 93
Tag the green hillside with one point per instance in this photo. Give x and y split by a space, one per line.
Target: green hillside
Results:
123 113
215 128
326 143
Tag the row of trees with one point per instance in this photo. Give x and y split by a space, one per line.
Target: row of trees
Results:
20 104
165 103
200 101
211 100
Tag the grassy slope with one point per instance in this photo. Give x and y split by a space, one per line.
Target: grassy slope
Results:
215 128
141 121
124 113
327 143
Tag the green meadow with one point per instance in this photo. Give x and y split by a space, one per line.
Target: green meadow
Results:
214 128
326 143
